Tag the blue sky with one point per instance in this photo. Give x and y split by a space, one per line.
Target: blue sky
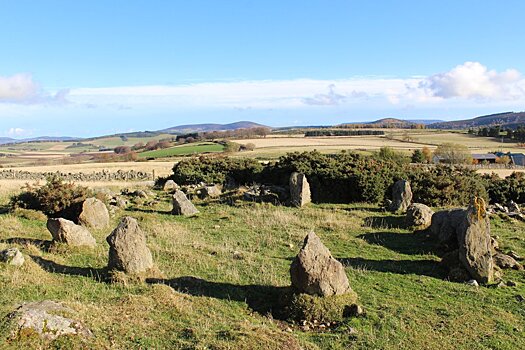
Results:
86 68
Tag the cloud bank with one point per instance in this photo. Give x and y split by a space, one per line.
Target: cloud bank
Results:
22 89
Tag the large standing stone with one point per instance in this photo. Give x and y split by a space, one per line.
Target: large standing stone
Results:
446 225
45 318
475 248
299 190
12 256
401 196
314 271
127 248
94 214
419 215
182 205
65 231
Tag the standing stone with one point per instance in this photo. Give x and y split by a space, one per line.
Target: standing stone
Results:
314 271
12 256
401 196
475 248
65 231
182 205
446 225
45 318
170 185
127 248
299 190
94 214
419 215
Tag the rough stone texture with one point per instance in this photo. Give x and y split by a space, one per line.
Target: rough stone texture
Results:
45 318
94 214
65 231
474 241
299 190
170 185
505 261
212 191
446 225
182 205
419 215
12 256
401 196
314 271
127 248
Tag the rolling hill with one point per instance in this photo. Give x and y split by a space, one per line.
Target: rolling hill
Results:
507 119
183 129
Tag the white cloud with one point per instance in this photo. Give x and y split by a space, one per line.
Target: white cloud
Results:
16 132
472 80
22 89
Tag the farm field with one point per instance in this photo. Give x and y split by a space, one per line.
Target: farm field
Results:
201 296
184 150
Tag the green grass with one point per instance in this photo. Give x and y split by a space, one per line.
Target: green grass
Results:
183 150
395 273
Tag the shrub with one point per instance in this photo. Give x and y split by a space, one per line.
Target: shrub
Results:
507 189
55 199
216 170
453 153
122 149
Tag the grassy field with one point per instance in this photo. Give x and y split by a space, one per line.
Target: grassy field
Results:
184 150
395 272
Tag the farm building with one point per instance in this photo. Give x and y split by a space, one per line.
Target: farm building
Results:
516 158
476 158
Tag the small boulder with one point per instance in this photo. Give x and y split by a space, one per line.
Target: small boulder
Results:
45 318
513 207
182 205
314 271
94 214
66 231
401 196
299 190
505 261
170 186
12 256
419 216
128 251
475 248
212 191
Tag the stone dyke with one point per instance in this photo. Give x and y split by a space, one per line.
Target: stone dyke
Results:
105 175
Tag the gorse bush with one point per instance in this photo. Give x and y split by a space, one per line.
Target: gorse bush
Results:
55 199
351 177
216 170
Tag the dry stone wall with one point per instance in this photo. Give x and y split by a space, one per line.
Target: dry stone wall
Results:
120 175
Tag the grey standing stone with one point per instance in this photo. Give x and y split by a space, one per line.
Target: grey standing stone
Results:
170 185
401 196
182 205
12 256
128 251
212 191
419 215
66 231
46 318
475 247
299 190
314 271
446 225
94 214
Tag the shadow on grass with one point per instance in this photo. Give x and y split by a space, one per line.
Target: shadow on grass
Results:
39 243
262 299
100 274
429 268
386 222
404 243
150 211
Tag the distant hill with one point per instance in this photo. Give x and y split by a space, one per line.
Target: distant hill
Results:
508 119
9 140
183 129
382 123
